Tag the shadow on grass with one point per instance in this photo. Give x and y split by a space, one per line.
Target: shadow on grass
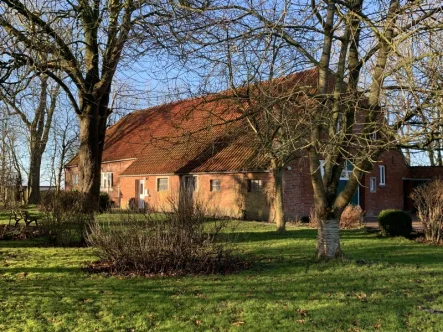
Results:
297 234
379 285
29 243
344 292
55 269
297 247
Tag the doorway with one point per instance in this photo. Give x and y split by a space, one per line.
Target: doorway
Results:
140 193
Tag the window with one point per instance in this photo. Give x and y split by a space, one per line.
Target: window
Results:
190 183
75 180
141 186
347 170
345 173
162 184
322 168
372 185
382 171
106 180
214 185
374 136
254 185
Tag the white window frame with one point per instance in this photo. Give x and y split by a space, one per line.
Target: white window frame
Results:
373 184
322 168
345 174
382 174
157 182
106 180
214 188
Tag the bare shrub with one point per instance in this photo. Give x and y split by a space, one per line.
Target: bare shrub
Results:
428 200
182 241
64 222
20 232
351 217
313 220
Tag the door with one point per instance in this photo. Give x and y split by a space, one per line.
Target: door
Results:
355 200
140 189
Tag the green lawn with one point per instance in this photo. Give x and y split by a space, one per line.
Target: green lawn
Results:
385 284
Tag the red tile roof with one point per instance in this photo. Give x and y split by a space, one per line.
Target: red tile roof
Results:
193 135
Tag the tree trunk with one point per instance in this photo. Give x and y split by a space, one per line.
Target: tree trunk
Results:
328 239
34 176
3 186
92 136
277 214
60 168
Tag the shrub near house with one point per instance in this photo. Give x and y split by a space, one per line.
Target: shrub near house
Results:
395 223
428 199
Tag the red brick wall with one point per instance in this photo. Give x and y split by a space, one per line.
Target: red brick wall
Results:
389 196
231 200
298 196
426 172
116 168
154 199
298 193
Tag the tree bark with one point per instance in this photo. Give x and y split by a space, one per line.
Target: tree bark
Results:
92 135
328 239
3 186
39 132
34 175
277 209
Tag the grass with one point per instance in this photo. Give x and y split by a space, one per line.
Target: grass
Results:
384 284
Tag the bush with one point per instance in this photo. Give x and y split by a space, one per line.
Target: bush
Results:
313 221
20 232
304 220
428 199
104 202
64 222
351 217
395 223
63 201
179 242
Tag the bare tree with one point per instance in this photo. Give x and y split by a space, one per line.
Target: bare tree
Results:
86 41
32 106
10 166
419 86
64 145
357 48
277 110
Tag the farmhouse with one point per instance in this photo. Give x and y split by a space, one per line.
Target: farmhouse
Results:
150 155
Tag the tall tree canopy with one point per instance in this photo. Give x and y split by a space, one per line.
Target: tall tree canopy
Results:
361 49
86 41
